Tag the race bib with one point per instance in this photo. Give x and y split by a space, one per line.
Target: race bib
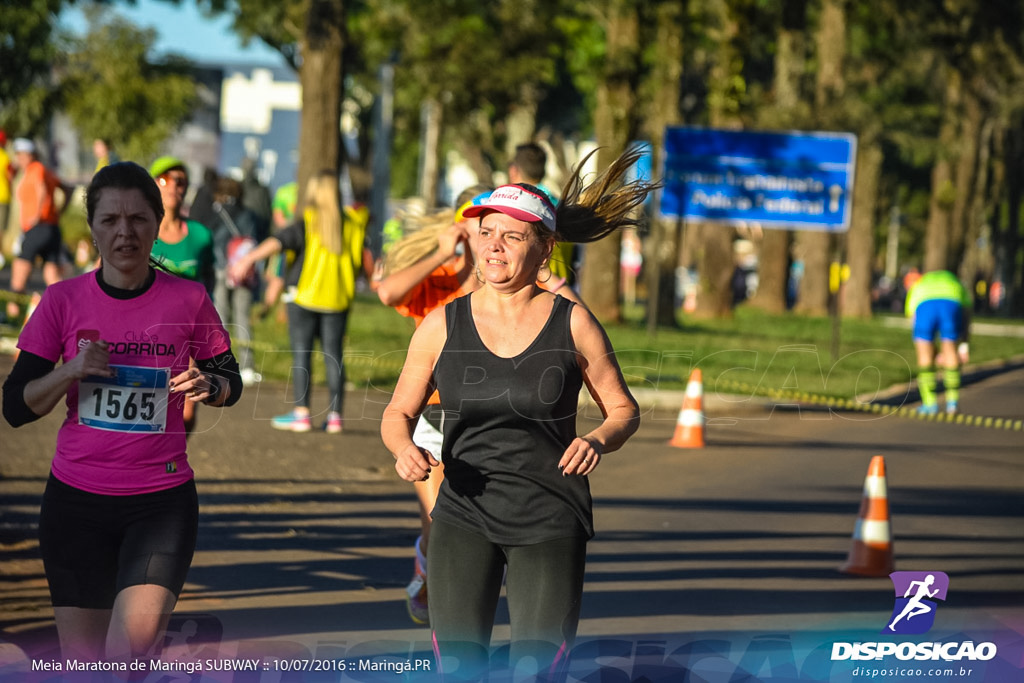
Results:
133 400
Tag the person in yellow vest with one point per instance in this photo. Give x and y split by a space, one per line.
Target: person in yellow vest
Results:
6 174
329 246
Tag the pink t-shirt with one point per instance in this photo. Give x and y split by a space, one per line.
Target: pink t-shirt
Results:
127 436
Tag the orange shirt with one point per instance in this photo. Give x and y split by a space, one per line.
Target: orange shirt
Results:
35 194
439 288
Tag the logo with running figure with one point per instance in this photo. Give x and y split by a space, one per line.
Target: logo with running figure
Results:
916 592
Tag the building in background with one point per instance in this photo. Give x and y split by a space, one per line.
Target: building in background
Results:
243 111
260 108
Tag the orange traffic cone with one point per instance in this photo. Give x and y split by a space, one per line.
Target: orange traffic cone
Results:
690 424
871 552
32 304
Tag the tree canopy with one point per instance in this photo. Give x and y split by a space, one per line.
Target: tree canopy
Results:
933 93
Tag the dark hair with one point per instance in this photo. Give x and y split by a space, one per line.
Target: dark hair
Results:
124 175
531 160
228 190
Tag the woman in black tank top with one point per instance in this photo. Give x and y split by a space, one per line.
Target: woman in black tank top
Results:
508 362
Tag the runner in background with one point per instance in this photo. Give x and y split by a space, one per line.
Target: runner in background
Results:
940 307
183 247
329 242
42 198
282 215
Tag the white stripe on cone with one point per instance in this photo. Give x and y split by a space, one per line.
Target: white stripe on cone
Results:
872 531
690 418
874 487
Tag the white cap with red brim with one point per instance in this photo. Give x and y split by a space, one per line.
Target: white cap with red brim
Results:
519 203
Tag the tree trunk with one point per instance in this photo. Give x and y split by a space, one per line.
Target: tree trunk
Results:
976 259
860 241
661 248
831 46
614 123
714 254
774 247
943 191
521 122
814 247
966 172
714 295
772 272
431 118
322 78
1007 271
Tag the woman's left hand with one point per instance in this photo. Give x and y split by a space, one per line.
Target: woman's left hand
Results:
581 457
196 385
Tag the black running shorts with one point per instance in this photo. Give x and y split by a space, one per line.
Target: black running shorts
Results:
95 546
44 241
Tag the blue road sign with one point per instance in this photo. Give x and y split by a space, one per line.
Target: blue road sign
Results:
791 180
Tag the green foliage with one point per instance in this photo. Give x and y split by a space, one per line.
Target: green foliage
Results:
28 49
584 54
276 23
485 60
471 57
113 91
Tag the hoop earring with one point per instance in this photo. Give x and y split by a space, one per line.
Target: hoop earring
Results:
477 275
548 266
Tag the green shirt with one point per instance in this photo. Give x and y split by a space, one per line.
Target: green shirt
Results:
937 285
192 257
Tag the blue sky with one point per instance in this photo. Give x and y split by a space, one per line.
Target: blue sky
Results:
182 29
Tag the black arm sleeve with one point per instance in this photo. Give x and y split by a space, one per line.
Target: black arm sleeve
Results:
28 367
224 365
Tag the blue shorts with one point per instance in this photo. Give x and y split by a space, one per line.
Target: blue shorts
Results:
939 316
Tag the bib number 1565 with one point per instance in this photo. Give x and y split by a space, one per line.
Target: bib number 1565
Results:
114 405
134 400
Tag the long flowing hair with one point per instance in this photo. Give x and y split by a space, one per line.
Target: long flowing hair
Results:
421 232
322 197
420 240
586 213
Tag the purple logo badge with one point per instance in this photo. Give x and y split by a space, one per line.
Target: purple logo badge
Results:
914 610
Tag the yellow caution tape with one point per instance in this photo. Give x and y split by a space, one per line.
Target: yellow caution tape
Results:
740 388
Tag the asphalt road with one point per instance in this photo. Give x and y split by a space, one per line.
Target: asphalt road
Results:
708 564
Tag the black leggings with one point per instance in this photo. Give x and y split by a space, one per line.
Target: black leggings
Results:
95 546
543 585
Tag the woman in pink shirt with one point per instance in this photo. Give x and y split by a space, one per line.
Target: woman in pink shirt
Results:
119 515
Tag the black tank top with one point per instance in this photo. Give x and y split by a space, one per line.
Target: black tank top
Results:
507 422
